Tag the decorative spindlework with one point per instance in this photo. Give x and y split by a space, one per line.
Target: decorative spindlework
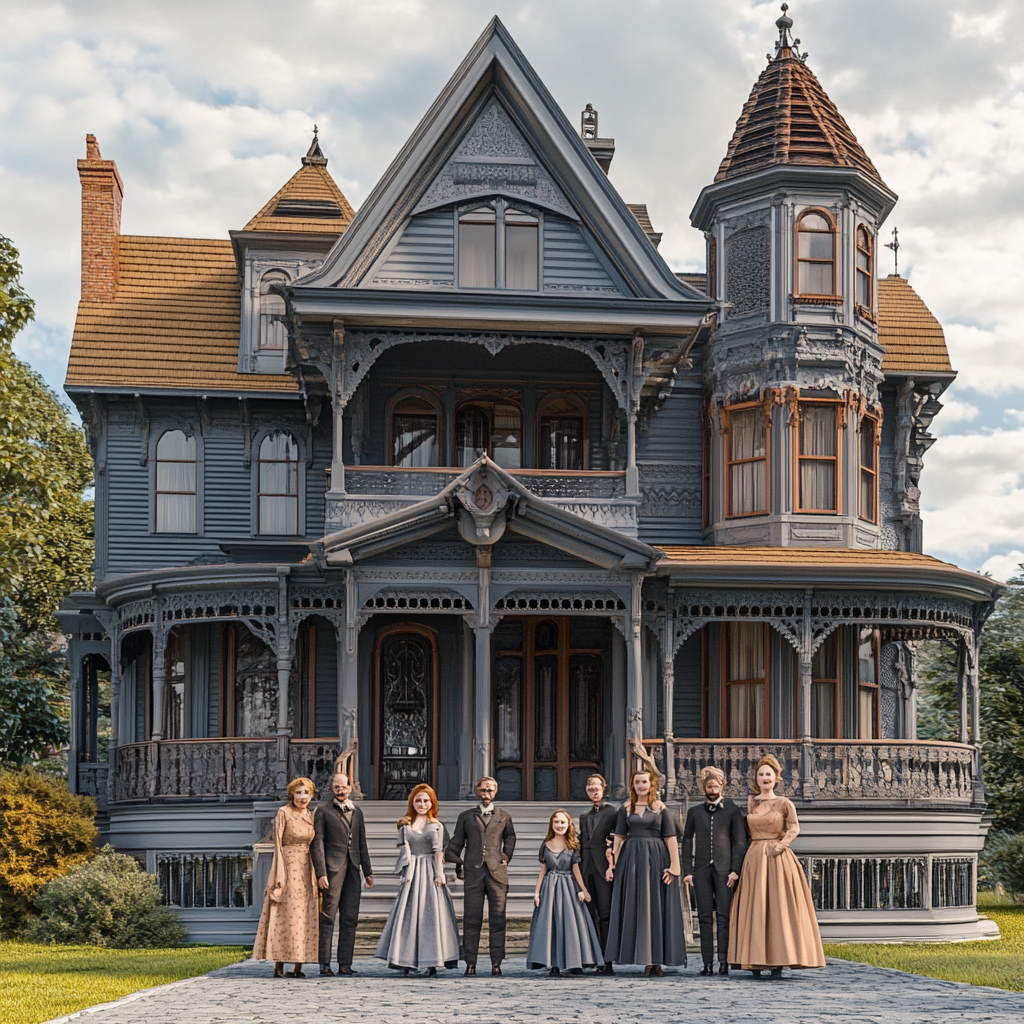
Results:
616 515
748 270
136 614
304 601
552 600
578 578
435 599
494 158
381 482
349 512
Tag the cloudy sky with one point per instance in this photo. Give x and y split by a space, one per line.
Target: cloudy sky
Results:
207 107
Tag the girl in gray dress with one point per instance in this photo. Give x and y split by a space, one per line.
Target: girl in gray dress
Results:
562 933
421 931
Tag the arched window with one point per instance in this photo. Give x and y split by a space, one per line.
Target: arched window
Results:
272 332
561 437
496 428
278 512
414 433
176 483
815 249
865 268
484 263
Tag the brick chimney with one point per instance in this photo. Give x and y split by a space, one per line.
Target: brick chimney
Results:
102 191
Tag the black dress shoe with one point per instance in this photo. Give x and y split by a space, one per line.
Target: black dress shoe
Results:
431 972
496 971
706 971
776 973
606 969
470 971
325 971
755 974
656 971
346 971
295 974
723 968
554 972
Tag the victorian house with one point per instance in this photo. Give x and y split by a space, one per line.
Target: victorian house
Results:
471 482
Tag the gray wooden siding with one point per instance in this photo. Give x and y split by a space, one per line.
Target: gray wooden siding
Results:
425 254
570 263
326 713
686 712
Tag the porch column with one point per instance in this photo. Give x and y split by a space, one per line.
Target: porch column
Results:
75 665
615 767
348 705
482 740
806 661
284 672
963 659
158 673
634 674
978 782
668 684
466 766
338 408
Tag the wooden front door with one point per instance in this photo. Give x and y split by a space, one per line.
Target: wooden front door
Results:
547 697
406 671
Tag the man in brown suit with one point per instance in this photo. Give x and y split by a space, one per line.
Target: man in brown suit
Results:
339 851
485 832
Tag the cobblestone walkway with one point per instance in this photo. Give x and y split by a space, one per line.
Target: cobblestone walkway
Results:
842 992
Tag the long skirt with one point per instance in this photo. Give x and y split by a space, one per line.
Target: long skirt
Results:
562 932
646 925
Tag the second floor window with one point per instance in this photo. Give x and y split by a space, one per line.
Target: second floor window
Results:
414 433
176 478
496 429
278 510
818 458
272 332
561 438
865 268
815 252
499 248
868 446
747 458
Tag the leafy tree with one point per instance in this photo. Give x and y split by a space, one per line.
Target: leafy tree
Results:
45 522
44 833
111 902
1001 682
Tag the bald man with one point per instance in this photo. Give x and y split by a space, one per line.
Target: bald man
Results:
714 844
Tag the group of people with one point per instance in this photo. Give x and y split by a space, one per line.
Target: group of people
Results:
607 892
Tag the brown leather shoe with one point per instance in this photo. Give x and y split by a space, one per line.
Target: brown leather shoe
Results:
470 971
346 972
496 971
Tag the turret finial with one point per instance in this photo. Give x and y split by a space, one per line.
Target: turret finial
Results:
786 46
588 122
315 155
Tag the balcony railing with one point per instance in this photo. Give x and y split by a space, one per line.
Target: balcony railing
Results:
876 770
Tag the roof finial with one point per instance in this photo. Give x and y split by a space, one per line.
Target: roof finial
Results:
895 246
588 123
315 155
786 46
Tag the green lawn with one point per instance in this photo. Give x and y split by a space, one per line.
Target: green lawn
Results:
999 964
39 983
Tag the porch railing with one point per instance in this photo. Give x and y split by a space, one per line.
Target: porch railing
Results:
890 770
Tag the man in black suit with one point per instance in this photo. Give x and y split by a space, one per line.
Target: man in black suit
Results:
597 827
485 832
714 842
339 851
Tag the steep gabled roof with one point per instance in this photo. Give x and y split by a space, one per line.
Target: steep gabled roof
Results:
913 339
789 119
308 202
172 324
496 68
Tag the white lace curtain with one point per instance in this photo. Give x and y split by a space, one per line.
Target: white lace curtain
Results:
747 477
176 483
818 457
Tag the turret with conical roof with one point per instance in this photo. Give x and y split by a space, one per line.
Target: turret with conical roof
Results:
794 369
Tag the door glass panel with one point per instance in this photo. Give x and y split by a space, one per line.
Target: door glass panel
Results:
578 783
561 442
510 783
406 670
546 637
545 784
414 433
472 435
508 699
177 677
507 437
545 707
255 686
584 708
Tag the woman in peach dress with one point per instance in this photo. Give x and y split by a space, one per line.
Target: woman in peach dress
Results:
287 931
772 924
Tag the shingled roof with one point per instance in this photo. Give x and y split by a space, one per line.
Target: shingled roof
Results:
789 119
172 324
310 201
913 338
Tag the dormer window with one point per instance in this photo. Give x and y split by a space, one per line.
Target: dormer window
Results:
499 248
865 269
815 251
272 332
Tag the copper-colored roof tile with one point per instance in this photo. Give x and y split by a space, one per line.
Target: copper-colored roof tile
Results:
913 338
311 182
736 555
789 119
173 324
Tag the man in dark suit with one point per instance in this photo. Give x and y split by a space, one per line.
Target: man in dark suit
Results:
339 851
714 842
485 832
597 827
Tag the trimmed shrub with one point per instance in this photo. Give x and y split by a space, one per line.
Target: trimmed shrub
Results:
111 902
1007 862
44 833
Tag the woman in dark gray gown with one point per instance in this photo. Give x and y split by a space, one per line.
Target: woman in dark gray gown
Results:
421 930
562 933
646 925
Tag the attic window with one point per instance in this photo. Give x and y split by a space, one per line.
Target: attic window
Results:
499 248
321 209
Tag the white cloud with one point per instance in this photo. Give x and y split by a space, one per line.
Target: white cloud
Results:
955 411
1003 567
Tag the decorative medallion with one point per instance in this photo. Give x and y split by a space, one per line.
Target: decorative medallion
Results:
483 497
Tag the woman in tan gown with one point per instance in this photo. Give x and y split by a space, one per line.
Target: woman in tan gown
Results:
288 925
772 924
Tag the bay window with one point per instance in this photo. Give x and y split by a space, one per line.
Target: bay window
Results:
818 457
746 471
867 503
815 250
